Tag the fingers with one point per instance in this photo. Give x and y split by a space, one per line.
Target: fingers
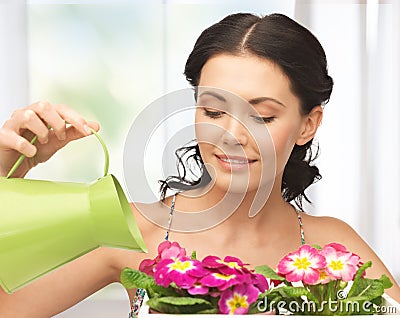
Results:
50 115
12 140
36 119
54 116
73 133
94 125
29 120
73 118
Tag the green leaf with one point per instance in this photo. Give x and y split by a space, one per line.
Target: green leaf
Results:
297 292
386 282
180 305
369 288
358 277
194 255
268 272
265 302
184 301
208 311
318 247
131 278
355 306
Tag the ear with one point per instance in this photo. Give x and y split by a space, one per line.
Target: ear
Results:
311 122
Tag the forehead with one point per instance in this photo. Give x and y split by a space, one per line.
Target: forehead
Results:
247 76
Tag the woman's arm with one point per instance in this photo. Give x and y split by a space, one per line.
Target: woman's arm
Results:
62 288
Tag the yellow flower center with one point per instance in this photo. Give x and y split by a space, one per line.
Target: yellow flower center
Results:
224 277
336 265
230 264
323 275
302 263
238 301
180 266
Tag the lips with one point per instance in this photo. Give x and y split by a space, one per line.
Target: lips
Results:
234 163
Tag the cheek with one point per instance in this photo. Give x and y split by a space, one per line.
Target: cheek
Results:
208 131
284 140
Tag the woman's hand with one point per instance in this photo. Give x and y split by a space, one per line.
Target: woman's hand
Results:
17 132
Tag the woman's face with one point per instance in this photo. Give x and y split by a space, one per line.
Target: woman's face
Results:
247 121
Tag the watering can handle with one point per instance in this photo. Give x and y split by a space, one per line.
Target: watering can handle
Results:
106 155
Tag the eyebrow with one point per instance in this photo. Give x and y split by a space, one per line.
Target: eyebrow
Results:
253 101
217 96
259 100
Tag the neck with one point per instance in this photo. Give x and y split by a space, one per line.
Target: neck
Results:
248 208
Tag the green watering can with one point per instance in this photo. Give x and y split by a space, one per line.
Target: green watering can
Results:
45 224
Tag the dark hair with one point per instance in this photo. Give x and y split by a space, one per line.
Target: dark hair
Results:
299 55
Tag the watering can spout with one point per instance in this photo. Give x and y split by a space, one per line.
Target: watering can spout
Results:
111 229
46 224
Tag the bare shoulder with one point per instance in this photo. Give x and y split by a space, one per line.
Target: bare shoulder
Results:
326 229
322 230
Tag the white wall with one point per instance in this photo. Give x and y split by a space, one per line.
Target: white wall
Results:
13 57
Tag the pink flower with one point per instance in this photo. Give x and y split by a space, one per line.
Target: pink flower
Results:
198 289
147 266
337 246
302 265
184 272
166 250
340 264
260 282
170 250
324 277
229 265
238 299
223 281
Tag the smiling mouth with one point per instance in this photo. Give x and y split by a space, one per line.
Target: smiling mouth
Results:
234 162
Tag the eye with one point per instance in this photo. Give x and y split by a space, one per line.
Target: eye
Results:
263 120
212 113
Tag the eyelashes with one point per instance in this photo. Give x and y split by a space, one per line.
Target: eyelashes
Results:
214 114
263 120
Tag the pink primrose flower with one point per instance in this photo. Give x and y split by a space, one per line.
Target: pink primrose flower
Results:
324 277
238 299
223 281
337 246
184 272
340 264
170 250
166 250
260 282
229 265
302 265
147 266
198 289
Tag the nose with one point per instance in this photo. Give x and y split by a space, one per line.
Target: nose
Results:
235 133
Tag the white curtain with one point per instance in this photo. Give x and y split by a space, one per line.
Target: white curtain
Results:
359 137
13 56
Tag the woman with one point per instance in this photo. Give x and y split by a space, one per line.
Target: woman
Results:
278 67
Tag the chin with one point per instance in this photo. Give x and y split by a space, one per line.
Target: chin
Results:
238 186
